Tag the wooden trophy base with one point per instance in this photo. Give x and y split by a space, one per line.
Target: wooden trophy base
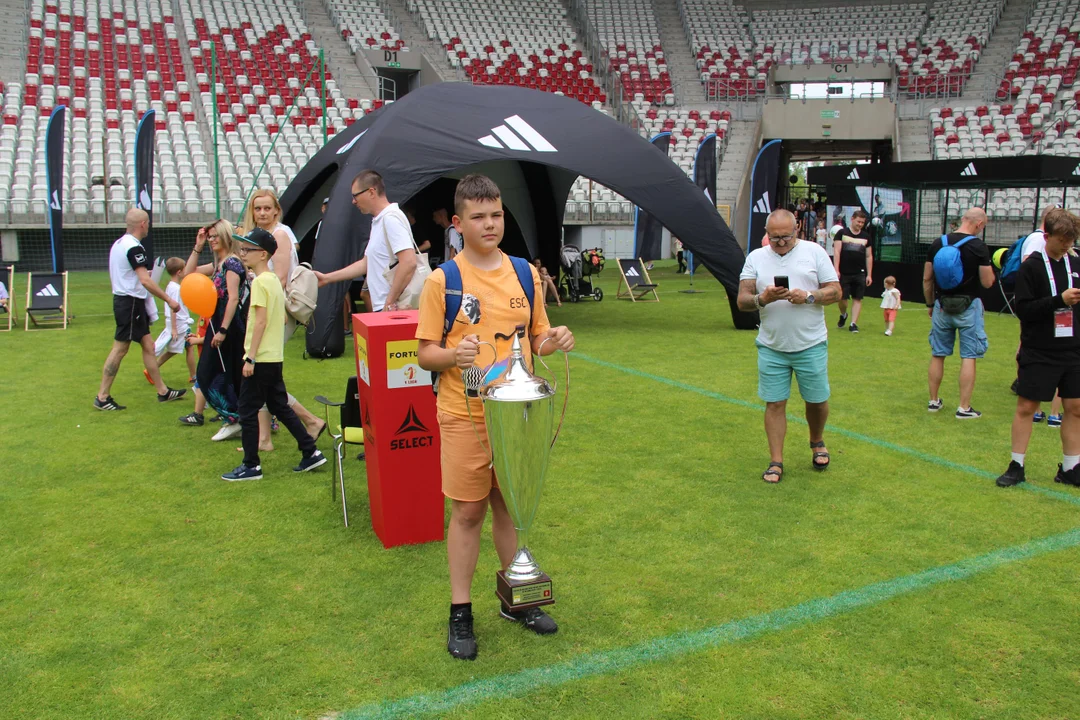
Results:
523 594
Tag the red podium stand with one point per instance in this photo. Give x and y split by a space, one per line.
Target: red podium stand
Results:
401 430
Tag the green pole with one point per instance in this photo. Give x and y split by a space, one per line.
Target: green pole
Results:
322 91
217 160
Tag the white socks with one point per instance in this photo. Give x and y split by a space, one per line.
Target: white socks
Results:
1018 458
1068 462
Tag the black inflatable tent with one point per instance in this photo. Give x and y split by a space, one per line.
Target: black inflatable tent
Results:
533 144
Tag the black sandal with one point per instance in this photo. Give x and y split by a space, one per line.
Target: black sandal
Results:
814 461
770 472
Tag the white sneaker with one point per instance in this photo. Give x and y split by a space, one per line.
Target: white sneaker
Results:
227 431
888 332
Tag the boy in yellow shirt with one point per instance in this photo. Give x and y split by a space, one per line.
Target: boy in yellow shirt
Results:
264 353
493 301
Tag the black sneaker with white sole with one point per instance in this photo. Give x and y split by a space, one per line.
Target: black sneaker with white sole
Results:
460 640
842 321
195 419
934 405
170 394
108 404
310 462
534 619
243 472
853 328
1013 476
969 414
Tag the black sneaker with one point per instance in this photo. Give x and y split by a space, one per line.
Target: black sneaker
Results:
108 404
170 395
243 472
1014 475
843 320
969 414
460 640
534 619
310 462
1068 477
853 328
194 418
934 405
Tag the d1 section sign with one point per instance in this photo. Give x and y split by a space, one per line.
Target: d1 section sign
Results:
403 366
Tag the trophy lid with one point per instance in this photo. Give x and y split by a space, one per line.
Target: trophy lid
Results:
517 383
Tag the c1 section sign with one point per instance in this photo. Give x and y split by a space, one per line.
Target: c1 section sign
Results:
403 366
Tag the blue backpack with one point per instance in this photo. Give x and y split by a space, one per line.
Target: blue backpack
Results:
1012 261
453 296
948 269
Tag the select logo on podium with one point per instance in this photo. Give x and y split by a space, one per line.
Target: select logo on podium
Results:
418 434
402 365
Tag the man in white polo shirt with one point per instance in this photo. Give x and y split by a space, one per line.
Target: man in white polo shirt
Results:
131 283
390 244
788 283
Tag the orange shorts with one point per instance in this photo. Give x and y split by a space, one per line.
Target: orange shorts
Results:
467 474
890 315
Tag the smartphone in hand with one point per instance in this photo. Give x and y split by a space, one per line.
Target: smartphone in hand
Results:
781 281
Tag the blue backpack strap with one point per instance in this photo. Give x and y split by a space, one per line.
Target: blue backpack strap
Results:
452 296
969 237
523 268
944 241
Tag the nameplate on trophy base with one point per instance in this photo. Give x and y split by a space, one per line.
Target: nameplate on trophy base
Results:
523 594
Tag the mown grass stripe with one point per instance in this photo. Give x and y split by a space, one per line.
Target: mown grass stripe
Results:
608 662
884 444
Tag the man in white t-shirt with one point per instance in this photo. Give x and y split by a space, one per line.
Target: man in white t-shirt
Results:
788 283
390 244
131 283
452 241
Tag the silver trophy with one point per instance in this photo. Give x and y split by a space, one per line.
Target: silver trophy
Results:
519 410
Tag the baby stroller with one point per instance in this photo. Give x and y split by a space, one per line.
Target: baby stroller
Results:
578 267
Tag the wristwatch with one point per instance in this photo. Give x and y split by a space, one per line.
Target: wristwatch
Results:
810 298
249 361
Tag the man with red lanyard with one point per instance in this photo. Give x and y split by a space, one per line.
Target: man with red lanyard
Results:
1049 359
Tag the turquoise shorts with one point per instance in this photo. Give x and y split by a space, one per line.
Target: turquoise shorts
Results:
811 368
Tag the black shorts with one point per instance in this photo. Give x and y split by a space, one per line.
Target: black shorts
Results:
854 286
1038 378
131 321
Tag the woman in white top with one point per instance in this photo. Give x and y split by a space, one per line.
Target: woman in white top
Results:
264 211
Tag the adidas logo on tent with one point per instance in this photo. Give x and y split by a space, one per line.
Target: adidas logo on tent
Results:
1077 170
348 146
47 291
762 205
632 272
969 170
854 174
526 133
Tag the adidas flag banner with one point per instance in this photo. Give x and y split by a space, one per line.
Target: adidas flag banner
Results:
54 171
648 232
763 187
144 174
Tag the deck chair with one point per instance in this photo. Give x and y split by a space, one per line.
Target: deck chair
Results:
349 431
9 312
636 283
46 300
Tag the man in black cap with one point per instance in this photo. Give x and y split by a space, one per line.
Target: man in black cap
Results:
264 353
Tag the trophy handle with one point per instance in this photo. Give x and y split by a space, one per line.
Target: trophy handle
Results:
479 386
566 397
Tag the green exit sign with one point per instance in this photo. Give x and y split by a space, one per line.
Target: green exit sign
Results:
393 64
830 114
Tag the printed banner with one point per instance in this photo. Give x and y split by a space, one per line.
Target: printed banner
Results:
54 162
763 187
402 365
705 178
144 174
648 232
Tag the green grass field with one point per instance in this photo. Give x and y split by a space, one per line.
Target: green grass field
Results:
900 584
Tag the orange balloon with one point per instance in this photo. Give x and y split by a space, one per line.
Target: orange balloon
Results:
198 293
